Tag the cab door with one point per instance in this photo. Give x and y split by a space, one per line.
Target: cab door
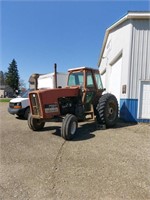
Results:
90 90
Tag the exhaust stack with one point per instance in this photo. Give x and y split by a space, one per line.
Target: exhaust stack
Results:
55 74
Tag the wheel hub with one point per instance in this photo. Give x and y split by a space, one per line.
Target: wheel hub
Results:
110 111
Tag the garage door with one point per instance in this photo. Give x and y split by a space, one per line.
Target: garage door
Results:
115 78
145 100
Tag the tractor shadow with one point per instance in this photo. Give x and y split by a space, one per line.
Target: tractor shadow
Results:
56 130
122 124
86 129
21 118
85 132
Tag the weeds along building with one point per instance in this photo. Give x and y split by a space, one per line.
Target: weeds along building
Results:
124 65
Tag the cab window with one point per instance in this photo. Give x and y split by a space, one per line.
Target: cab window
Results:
75 78
98 81
89 80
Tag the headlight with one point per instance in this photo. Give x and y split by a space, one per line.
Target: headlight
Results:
18 105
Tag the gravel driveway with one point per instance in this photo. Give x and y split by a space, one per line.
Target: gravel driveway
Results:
111 164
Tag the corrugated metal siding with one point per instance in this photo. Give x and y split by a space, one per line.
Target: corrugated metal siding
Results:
140 57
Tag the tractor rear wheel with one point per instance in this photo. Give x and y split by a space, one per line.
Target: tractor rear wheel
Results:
69 126
107 110
35 124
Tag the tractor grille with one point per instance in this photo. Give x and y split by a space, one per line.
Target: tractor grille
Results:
35 104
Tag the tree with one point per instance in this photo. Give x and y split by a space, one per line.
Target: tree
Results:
12 76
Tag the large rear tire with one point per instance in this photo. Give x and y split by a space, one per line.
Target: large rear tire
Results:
69 127
107 110
35 124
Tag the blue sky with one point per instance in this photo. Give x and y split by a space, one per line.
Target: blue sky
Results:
38 34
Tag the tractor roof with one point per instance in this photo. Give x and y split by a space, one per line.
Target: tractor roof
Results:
82 68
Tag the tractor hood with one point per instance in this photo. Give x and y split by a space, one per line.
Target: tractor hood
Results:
51 95
45 103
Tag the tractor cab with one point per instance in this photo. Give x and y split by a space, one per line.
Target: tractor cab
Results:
88 80
91 86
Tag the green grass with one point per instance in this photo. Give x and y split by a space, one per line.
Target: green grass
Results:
5 99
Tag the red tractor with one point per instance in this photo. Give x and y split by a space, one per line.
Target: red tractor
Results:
82 97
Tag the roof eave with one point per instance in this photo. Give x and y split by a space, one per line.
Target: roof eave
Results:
130 15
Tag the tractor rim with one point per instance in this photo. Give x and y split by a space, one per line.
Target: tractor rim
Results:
111 111
38 122
73 128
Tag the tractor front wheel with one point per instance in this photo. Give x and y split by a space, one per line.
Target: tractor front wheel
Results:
107 110
69 126
27 111
35 124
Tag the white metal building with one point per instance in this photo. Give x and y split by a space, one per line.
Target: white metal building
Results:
124 65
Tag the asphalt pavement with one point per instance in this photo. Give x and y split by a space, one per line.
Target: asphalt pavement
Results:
111 164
